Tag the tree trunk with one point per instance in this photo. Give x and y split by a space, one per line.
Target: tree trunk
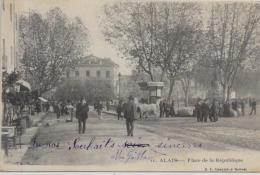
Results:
186 93
224 93
151 76
228 93
171 88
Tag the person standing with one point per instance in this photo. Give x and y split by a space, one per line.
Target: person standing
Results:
70 109
99 109
167 108
242 104
172 111
82 115
161 105
119 109
205 110
57 110
253 107
198 111
130 115
213 112
108 105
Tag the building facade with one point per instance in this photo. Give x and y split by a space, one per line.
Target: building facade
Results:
95 68
9 31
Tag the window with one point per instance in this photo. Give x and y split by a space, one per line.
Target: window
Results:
68 74
11 11
3 4
87 73
107 74
77 73
98 74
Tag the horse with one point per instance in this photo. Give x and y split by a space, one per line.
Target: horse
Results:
146 110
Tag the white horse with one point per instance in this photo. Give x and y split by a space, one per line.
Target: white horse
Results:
147 110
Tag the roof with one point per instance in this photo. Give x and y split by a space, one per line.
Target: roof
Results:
94 60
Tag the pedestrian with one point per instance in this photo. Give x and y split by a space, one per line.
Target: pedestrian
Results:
57 110
205 110
108 105
119 109
167 109
70 109
213 112
161 105
99 109
242 104
172 111
82 115
130 115
198 111
253 107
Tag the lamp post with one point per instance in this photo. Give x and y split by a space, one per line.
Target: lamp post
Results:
119 94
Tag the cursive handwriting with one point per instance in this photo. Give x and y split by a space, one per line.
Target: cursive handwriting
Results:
130 145
128 155
93 144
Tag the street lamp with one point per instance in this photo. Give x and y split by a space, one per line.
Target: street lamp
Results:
119 75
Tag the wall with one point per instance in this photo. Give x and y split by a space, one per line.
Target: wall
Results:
8 35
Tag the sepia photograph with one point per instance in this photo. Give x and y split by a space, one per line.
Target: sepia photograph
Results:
130 85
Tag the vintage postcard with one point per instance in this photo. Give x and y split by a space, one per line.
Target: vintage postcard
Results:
128 85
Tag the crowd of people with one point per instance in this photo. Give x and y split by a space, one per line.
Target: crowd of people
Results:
204 110
167 108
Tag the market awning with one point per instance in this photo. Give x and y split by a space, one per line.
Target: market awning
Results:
24 83
43 99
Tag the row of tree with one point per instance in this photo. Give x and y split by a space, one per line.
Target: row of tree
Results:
171 38
92 90
49 44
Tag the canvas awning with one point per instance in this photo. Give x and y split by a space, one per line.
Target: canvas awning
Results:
43 99
24 83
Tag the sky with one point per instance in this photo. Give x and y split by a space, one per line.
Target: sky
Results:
88 11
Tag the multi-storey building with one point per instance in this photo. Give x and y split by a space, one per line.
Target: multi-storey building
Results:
95 68
8 36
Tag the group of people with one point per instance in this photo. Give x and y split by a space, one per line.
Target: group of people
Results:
81 109
167 108
62 108
204 110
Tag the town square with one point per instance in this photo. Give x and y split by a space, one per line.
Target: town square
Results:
110 83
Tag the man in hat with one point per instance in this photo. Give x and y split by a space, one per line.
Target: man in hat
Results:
130 115
205 110
82 114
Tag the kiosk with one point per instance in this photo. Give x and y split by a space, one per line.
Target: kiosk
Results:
154 88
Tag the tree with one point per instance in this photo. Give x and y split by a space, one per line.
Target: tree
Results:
129 27
230 40
70 90
178 44
154 36
92 90
98 90
50 44
186 79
